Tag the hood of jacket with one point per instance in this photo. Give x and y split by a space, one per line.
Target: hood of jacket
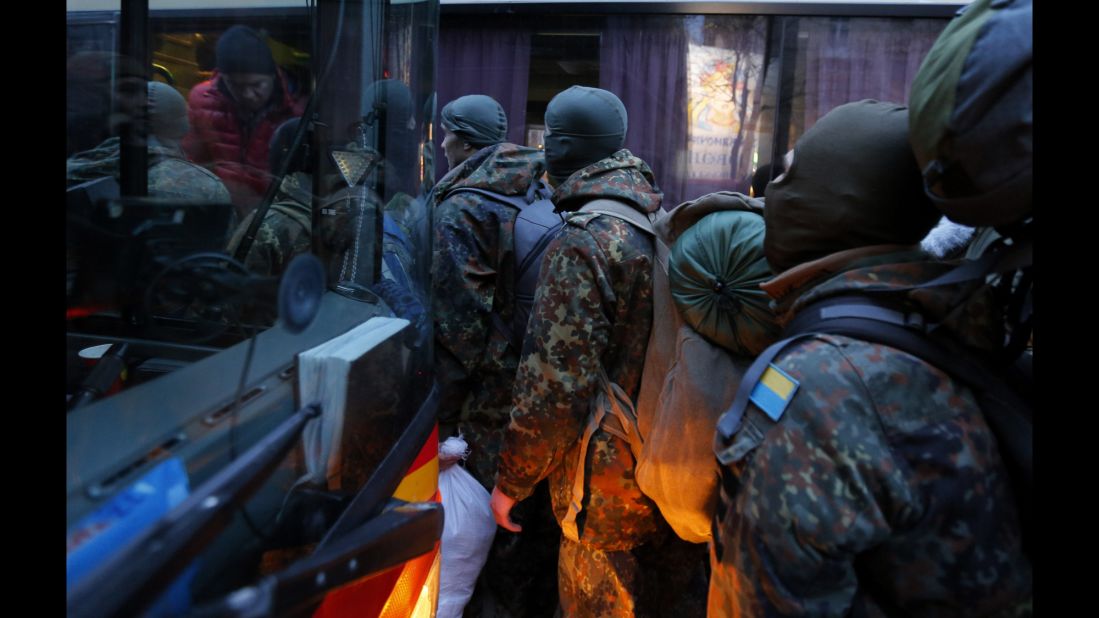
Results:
504 168
968 311
621 176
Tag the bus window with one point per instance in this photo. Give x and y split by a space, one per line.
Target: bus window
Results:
711 96
249 390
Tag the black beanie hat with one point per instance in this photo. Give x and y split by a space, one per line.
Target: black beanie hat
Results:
853 183
242 50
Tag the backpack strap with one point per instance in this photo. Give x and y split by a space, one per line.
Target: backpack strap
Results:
613 412
739 433
519 202
1005 259
644 222
625 212
536 192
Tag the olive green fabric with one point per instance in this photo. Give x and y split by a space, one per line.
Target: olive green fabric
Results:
853 183
714 273
931 98
583 125
971 121
477 119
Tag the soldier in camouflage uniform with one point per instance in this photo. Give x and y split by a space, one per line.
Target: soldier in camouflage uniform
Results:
472 273
171 175
285 231
473 269
879 491
286 228
592 313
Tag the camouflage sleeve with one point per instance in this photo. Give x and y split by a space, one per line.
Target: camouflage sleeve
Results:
278 239
810 495
567 335
269 253
463 280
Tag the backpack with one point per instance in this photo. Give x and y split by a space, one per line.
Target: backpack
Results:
971 114
535 226
1002 389
687 380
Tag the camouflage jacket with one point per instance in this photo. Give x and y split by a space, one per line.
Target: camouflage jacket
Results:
472 277
593 310
880 490
285 231
170 174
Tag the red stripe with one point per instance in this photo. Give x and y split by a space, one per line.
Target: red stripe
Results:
427 453
83 312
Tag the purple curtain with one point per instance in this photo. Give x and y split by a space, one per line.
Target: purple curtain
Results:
643 60
854 59
489 60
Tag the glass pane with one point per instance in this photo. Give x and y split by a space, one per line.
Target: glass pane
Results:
843 59
167 159
692 85
312 122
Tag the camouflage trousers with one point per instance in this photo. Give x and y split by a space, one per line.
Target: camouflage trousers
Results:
519 579
666 576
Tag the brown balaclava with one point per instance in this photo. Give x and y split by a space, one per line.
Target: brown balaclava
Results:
853 183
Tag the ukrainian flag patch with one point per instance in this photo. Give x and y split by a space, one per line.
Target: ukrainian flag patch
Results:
774 391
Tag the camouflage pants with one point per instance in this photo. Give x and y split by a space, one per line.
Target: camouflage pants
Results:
519 579
664 577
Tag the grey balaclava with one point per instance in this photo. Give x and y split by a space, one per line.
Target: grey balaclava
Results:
167 113
853 183
477 119
583 125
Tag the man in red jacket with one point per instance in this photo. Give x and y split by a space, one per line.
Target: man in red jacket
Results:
234 114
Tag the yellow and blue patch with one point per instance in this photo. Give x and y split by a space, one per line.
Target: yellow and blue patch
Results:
774 391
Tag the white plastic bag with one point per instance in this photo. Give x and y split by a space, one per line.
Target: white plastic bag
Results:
468 528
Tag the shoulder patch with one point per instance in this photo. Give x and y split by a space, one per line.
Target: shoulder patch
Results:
774 391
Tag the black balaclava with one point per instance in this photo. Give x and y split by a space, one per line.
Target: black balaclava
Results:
477 119
241 49
853 183
583 125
